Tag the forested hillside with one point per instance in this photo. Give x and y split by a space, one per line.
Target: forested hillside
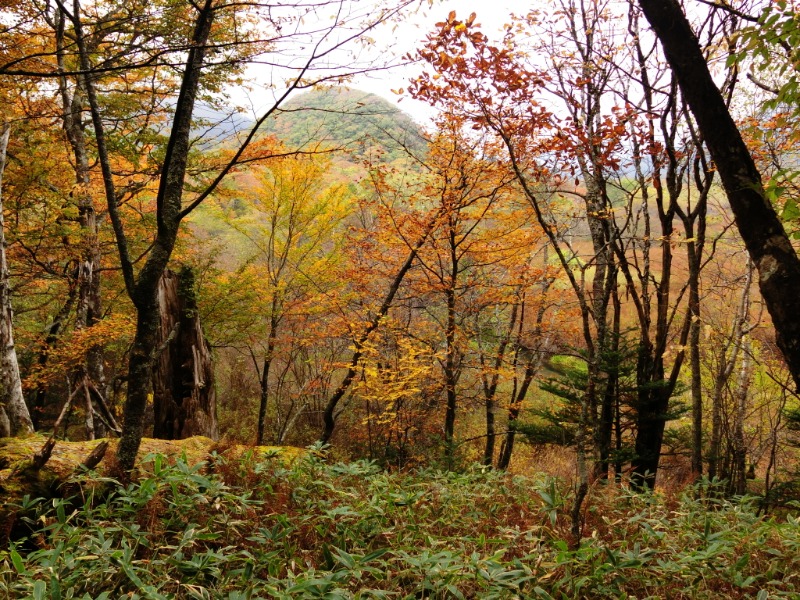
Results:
577 287
364 127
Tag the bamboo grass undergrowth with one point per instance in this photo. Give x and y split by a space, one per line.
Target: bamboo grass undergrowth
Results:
257 528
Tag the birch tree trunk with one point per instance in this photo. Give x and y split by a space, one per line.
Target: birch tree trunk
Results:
740 412
14 415
728 356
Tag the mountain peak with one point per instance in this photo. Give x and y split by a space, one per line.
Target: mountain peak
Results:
358 122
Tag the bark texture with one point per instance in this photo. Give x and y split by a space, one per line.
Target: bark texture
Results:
184 399
763 233
14 415
143 289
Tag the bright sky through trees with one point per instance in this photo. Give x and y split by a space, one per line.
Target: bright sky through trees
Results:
391 42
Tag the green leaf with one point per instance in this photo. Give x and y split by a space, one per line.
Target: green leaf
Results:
328 557
344 558
454 591
540 593
39 590
55 588
790 211
373 555
19 565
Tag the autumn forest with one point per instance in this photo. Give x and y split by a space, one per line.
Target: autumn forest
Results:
545 344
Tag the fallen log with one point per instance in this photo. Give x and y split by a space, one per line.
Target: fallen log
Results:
39 466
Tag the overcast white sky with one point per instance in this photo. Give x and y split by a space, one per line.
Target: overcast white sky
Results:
492 14
403 37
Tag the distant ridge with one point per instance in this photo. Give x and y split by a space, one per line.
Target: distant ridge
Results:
364 124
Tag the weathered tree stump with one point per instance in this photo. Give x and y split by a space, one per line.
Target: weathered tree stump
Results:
184 399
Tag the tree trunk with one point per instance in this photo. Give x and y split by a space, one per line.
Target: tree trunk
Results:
740 399
490 383
264 379
726 363
763 233
611 398
603 282
593 168
262 405
491 433
716 413
651 406
87 273
697 395
143 290
451 367
694 226
694 356
184 398
14 415
517 397
533 359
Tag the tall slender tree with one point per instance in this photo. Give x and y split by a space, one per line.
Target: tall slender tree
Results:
762 231
14 415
